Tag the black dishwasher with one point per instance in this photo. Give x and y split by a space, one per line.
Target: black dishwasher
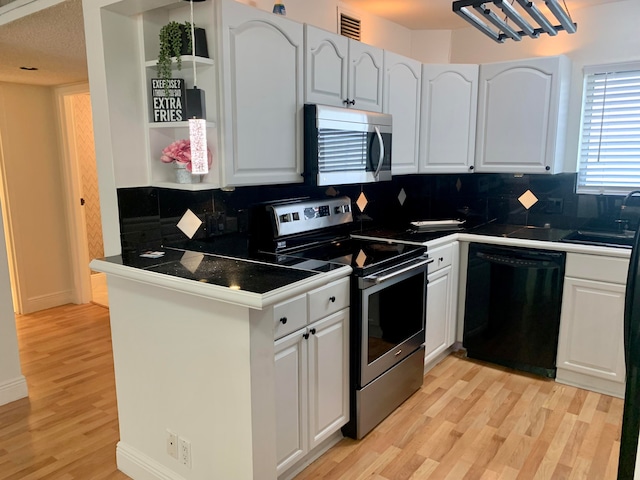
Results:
512 309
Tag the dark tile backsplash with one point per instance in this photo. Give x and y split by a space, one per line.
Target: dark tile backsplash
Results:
148 216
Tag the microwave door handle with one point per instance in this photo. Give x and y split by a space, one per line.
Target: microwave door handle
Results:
381 158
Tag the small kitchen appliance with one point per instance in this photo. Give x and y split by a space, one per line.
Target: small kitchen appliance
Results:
345 146
388 297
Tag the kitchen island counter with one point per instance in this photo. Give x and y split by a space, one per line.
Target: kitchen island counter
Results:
193 350
250 283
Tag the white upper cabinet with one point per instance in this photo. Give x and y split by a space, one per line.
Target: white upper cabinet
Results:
401 99
326 67
448 118
365 76
342 72
261 78
522 115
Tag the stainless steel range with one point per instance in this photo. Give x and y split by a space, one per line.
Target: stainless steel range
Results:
388 297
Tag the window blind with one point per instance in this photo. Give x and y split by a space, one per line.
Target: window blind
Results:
609 158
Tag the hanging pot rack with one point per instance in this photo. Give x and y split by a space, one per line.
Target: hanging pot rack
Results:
527 18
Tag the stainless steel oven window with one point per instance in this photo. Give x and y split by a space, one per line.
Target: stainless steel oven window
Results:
393 315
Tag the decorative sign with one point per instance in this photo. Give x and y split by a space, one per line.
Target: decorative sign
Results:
168 103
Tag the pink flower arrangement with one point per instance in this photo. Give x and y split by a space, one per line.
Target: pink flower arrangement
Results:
180 152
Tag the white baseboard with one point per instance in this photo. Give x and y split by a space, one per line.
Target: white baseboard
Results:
139 466
35 304
587 382
13 390
429 364
312 456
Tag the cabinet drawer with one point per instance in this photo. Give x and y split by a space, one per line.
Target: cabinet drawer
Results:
326 300
597 267
289 316
442 257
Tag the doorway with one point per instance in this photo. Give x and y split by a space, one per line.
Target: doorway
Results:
80 173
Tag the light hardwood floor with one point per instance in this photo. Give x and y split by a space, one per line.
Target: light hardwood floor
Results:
469 420
68 427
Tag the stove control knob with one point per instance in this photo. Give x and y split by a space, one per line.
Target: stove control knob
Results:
283 320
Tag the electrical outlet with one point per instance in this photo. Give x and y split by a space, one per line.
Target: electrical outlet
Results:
184 451
554 205
172 444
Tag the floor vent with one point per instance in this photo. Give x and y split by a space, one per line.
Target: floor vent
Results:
349 25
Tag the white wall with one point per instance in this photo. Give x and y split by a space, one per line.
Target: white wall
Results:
323 14
35 196
431 46
606 34
12 384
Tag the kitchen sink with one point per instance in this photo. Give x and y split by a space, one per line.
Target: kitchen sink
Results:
603 239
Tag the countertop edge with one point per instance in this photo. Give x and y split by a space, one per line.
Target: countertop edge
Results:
543 245
215 292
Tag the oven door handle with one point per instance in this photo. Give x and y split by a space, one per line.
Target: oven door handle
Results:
377 280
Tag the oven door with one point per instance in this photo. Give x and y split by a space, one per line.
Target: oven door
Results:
393 306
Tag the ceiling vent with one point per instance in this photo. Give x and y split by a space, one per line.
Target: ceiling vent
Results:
348 25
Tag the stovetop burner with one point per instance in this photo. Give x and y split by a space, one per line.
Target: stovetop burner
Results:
364 256
306 233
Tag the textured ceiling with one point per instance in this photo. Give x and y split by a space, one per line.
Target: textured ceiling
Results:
53 39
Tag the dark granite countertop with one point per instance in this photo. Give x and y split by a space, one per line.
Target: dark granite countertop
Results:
521 231
235 273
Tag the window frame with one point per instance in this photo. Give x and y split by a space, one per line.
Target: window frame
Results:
587 72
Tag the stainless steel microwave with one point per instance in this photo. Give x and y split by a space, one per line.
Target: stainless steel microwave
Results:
344 146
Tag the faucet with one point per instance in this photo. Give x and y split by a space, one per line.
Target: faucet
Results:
624 224
626 199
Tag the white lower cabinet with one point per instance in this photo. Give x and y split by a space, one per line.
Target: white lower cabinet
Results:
312 375
291 396
591 340
442 297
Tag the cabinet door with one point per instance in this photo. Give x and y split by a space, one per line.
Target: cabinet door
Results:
365 76
328 376
591 329
449 108
437 323
262 96
401 99
291 399
521 133
326 65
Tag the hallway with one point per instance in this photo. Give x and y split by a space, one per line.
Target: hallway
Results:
68 427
